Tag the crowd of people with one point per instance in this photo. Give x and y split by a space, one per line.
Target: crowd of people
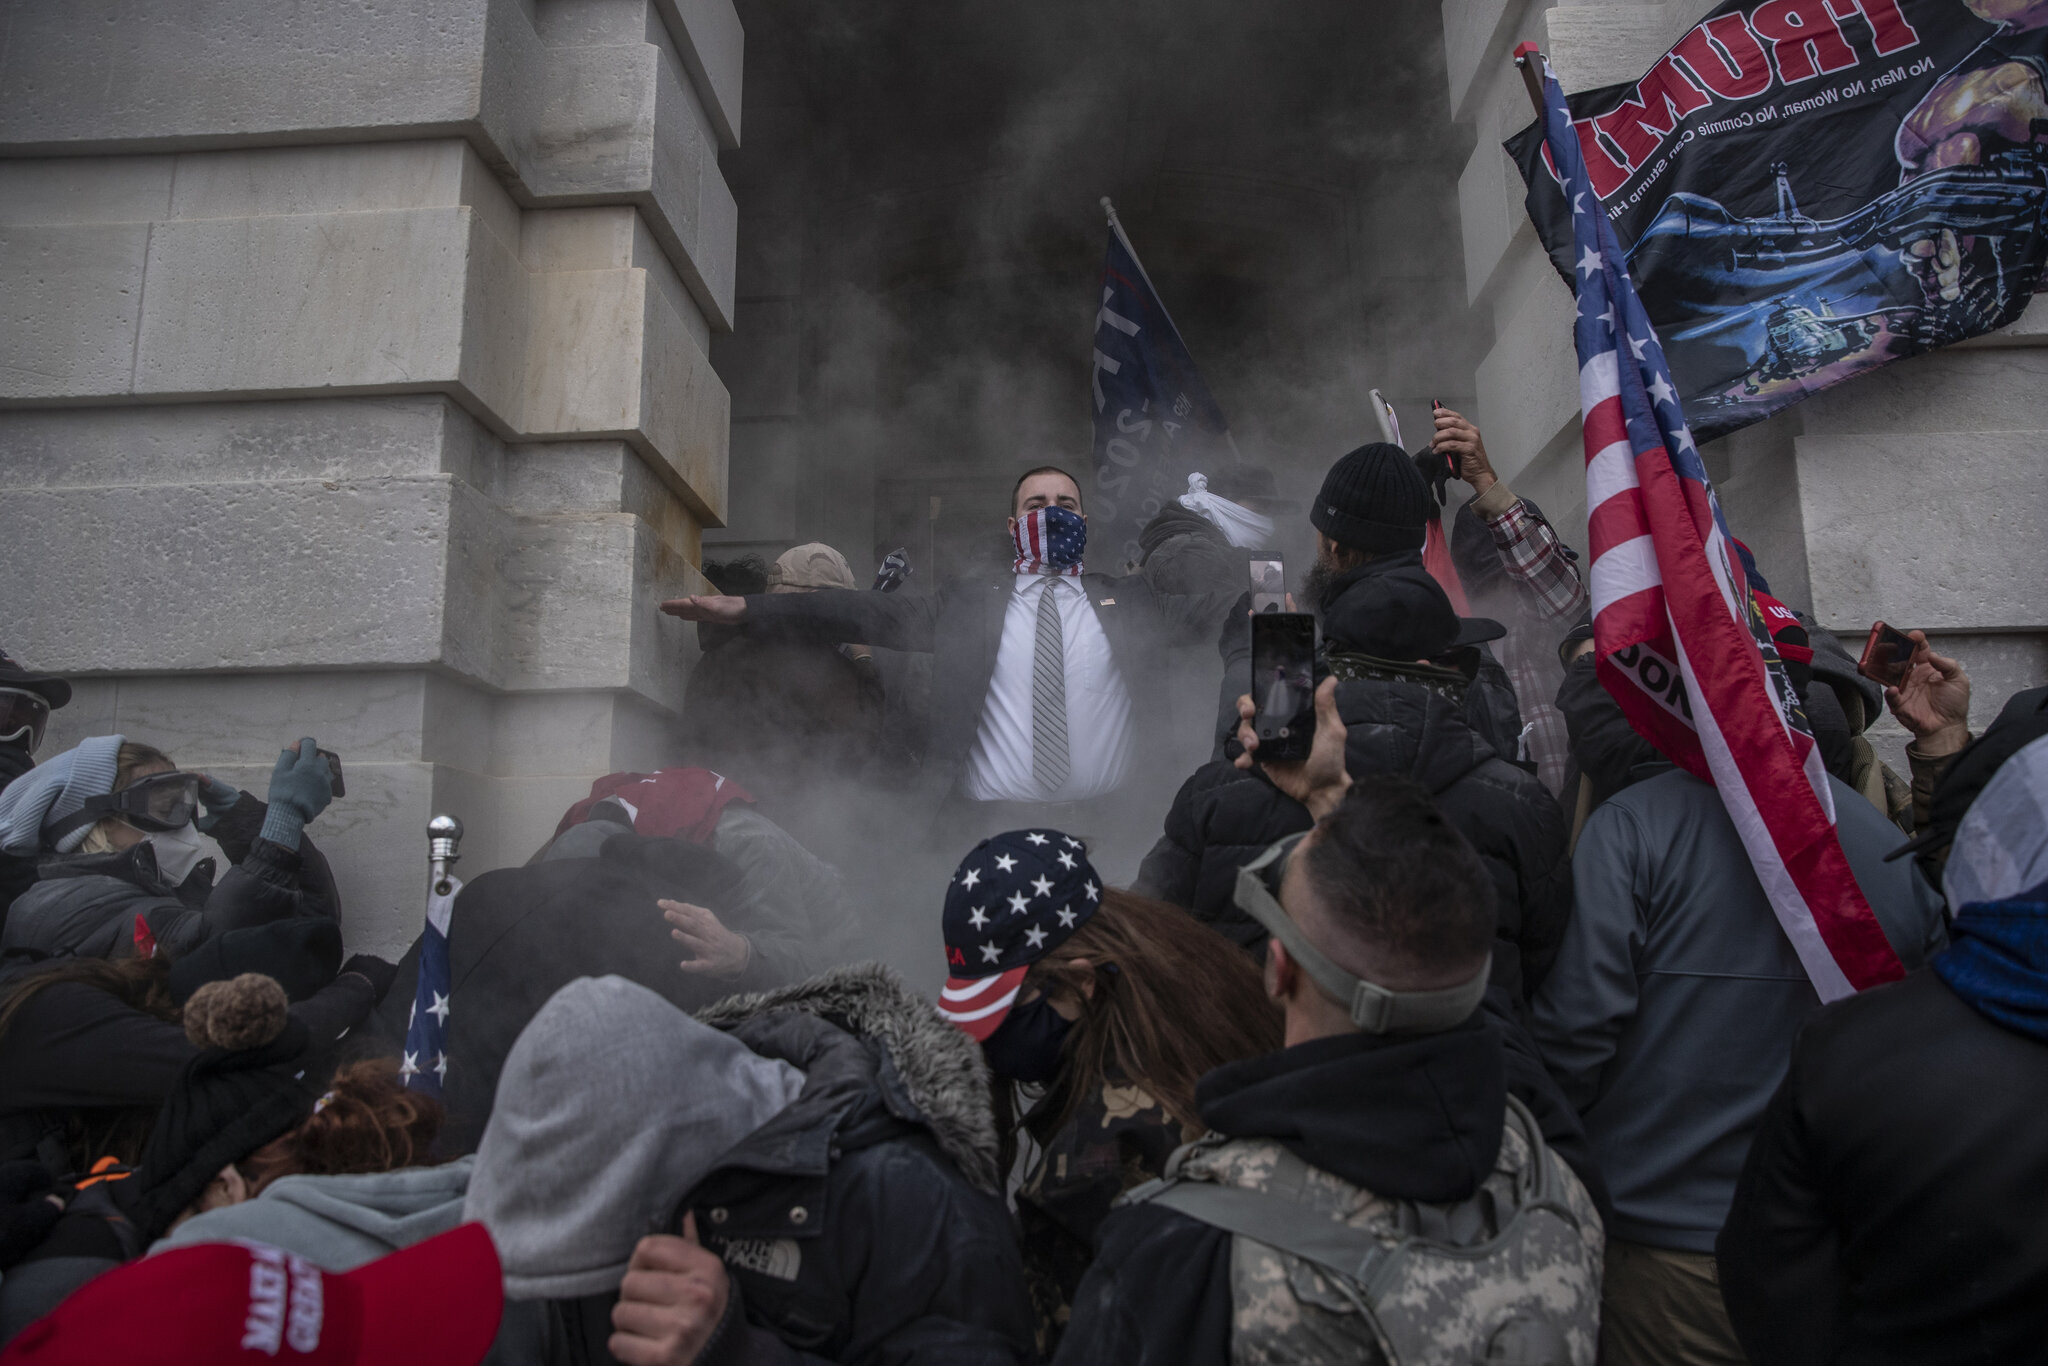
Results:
1471 1036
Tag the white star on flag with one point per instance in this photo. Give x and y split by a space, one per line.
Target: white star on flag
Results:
1017 903
1034 936
989 953
1579 202
1042 885
439 1009
1067 917
1036 838
970 877
1661 389
1590 262
1005 862
978 917
1072 843
1066 859
1635 344
410 1067
1094 892
441 1066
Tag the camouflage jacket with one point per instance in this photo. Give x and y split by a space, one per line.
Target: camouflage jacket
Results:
1118 1138
1287 1310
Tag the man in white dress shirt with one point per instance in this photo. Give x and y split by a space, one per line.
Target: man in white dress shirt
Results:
1039 675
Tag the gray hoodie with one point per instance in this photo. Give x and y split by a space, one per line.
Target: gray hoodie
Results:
338 1222
615 1086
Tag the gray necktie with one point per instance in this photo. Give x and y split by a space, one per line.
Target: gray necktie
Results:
1049 695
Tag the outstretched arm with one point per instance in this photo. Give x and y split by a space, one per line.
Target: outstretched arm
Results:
893 620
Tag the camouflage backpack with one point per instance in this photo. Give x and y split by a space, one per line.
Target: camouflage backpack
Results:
1323 1271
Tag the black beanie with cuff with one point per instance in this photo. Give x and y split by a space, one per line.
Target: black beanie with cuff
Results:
1373 500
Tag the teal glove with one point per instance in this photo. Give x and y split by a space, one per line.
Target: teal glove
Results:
299 790
217 797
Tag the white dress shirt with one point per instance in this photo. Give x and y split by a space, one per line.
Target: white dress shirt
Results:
1098 705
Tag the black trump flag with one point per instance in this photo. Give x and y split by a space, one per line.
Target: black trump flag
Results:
1807 189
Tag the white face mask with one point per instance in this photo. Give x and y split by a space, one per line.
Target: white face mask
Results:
178 852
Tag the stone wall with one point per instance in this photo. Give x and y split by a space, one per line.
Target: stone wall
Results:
355 382
1914 493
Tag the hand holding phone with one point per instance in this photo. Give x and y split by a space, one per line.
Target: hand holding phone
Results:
334 772
1284 683
1887 654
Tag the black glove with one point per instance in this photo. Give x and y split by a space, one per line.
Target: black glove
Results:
28 1210
380 973
1437 471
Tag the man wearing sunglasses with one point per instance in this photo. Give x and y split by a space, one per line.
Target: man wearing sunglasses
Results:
1391 1097
26 701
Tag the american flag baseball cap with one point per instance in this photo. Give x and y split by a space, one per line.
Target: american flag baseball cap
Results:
435 1302
1012 901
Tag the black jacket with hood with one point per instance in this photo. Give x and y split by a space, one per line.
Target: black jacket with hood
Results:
1223 817
85 905
1415 1118
862 1223
891 1147
1894 1205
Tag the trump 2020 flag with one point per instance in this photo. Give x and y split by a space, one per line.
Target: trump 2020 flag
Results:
1809 189
424 1066
1155 421
1678 639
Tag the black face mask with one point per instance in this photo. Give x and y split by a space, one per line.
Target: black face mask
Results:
1029 1044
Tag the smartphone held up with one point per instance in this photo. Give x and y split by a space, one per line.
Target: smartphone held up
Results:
1269 585
1284 683
1887 655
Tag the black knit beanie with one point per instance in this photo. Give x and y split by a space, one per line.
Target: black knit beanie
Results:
302 954
1373 500
241 1092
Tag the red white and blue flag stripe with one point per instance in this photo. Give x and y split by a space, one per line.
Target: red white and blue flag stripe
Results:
1679 641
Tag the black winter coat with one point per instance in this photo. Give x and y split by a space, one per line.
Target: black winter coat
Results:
1224 817
861 1225
962 626
1894 1204
85 905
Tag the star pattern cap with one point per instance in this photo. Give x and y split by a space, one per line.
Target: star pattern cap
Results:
1012 901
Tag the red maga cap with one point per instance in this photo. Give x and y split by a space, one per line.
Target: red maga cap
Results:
1786 631
436 1302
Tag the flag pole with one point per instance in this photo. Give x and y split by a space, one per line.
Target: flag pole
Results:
1529 58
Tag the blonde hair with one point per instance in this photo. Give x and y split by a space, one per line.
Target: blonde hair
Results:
132 757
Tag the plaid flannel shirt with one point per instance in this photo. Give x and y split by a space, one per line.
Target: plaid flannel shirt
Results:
1549 591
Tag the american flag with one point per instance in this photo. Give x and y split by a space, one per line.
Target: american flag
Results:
1680 643
424 1066
1049 541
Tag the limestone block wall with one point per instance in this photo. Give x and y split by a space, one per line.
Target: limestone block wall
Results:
1914 493
355 382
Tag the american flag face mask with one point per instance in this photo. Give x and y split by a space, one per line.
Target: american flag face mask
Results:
1050 541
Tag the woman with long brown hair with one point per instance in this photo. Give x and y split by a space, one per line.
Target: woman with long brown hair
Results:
1098 1011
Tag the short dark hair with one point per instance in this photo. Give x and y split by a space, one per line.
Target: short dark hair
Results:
1394 878
1046 469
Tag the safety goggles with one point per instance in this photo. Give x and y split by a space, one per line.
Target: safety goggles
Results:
1373 1008
162 801
23 714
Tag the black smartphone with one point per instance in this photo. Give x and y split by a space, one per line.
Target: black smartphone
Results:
1269 585
1284 683
1886 656
333 771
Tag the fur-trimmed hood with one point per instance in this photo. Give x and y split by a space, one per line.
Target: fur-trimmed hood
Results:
928 1072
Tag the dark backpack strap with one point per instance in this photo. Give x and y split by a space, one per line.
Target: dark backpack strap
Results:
1279 1223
